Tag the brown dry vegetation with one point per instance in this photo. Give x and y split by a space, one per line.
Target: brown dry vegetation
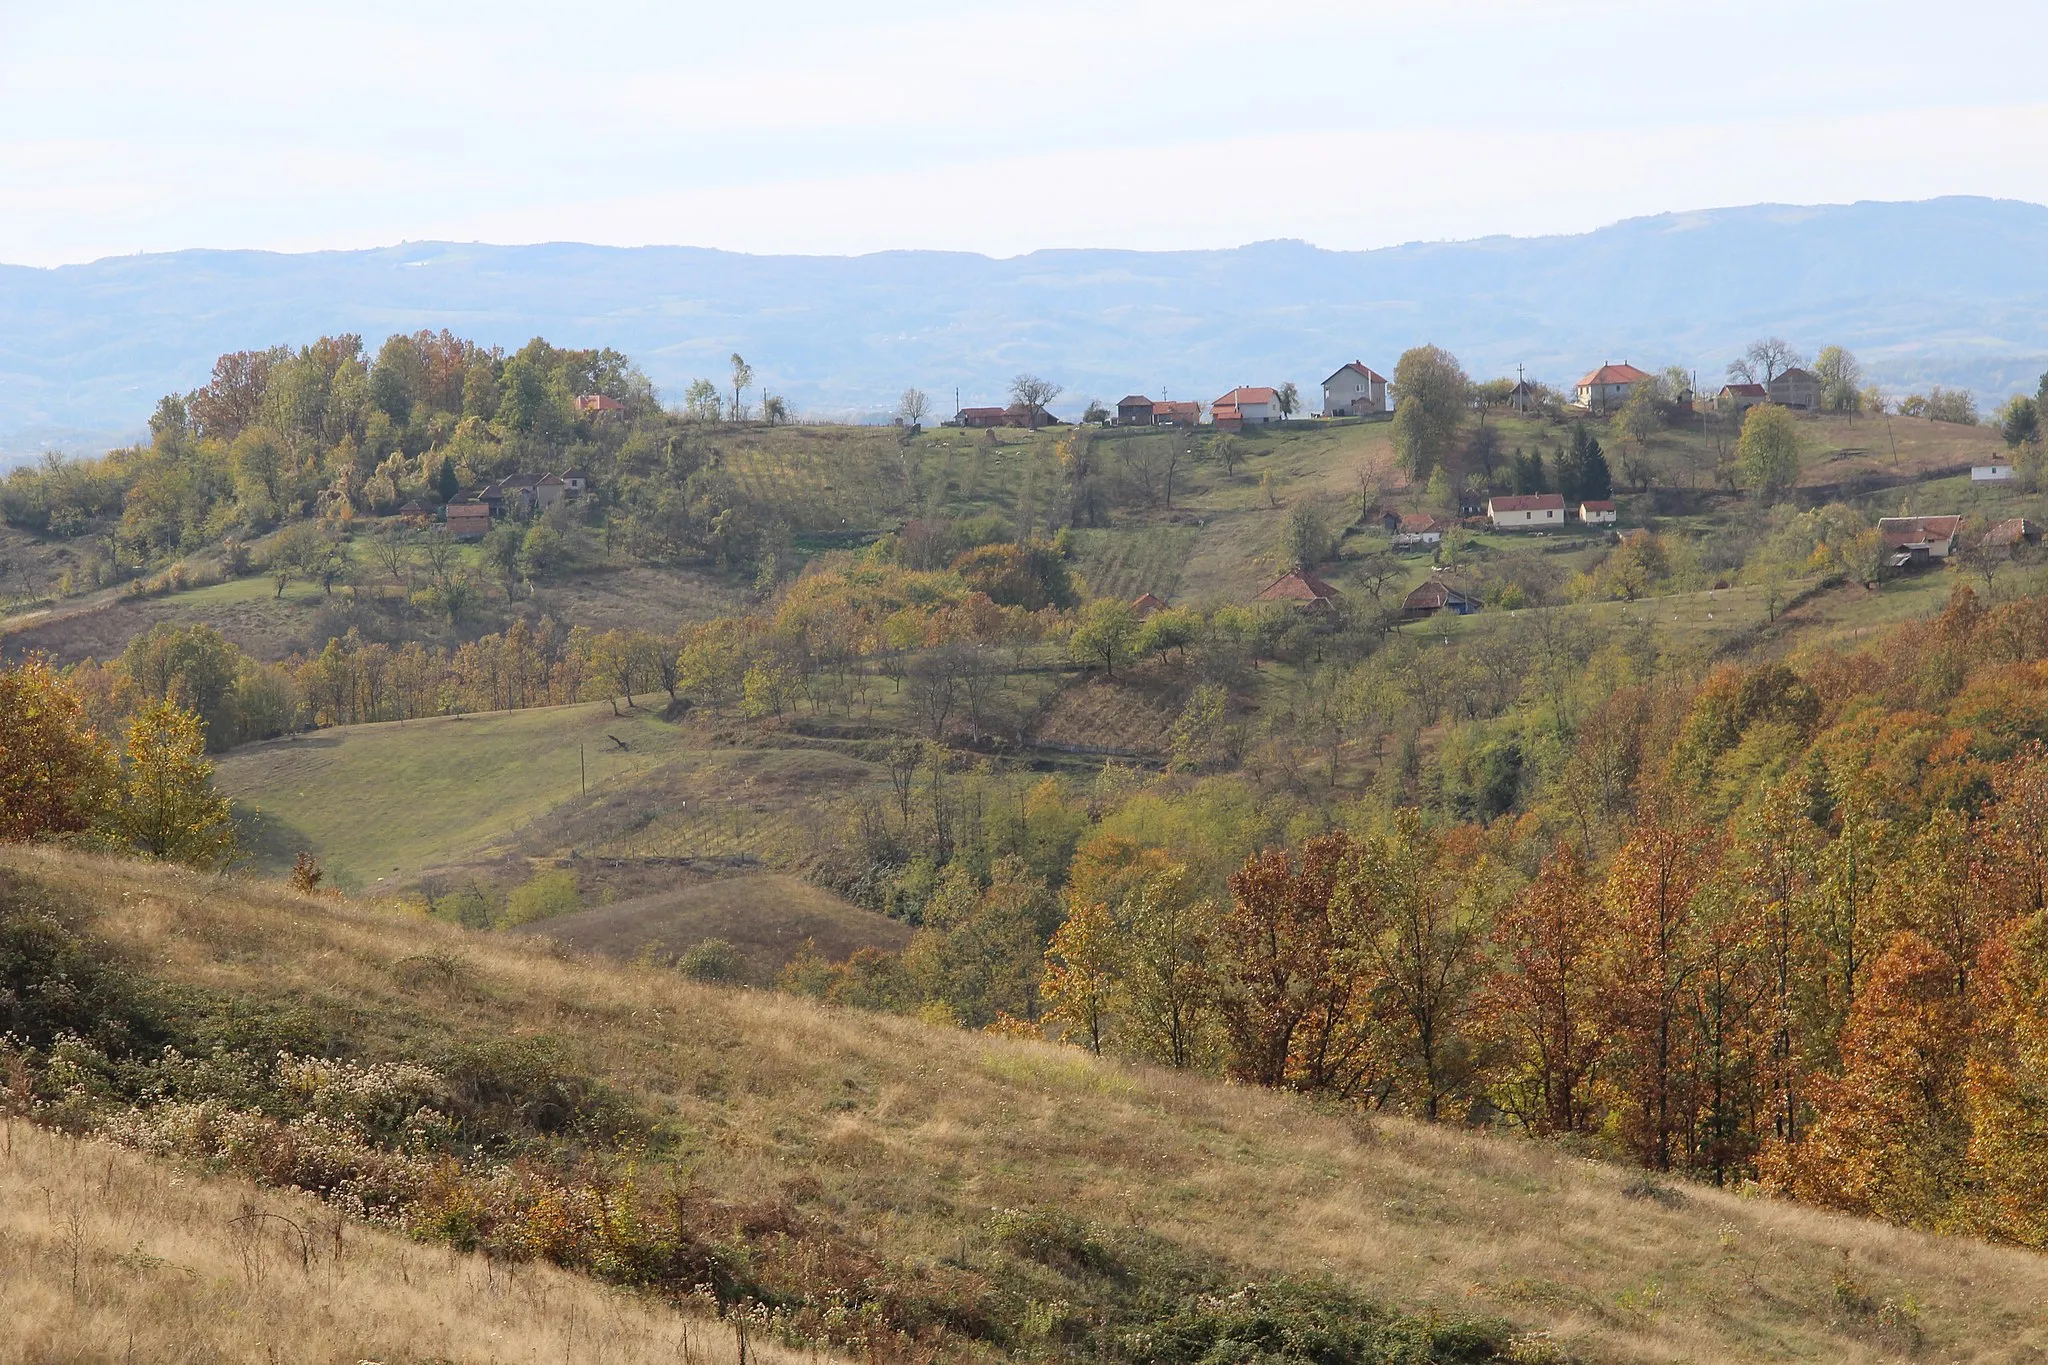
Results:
107 1256
767 917
907 1136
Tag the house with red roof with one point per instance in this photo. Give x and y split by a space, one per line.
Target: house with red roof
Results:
1526 511
1609 386
1736 399
597 402
1912 542
1598 512
1166 413
1147 605
1248 406
1302 589
1354 391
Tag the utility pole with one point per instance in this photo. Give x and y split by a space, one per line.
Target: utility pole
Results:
1521 392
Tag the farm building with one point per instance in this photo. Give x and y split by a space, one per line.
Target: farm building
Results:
1796 388
1300 588
1170 414
1910 542
1997 471
597 402
468 520
1418 529
1436 596
1526 511
2013 534
1598 512
1735 399
1134 411
984 417
1147 605
1354 391
1608 386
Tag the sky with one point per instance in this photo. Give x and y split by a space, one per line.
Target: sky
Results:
792 126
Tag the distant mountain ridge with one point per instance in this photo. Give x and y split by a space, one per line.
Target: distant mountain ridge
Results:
1948 290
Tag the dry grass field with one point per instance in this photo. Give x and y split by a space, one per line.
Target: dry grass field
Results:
106 1256
768 917
909 1136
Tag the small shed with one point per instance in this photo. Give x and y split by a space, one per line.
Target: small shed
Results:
468 520
1598 512
2013 534
1998 471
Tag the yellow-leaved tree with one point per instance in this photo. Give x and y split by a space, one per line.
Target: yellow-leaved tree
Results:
169 808
56 775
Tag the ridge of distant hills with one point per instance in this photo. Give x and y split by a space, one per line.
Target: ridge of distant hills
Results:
1951 291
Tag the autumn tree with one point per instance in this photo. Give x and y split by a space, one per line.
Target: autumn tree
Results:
2007 1087
1890 1131
1543 1002
57 776
1409 912
169 808
1652 956
1083 975
1296 1010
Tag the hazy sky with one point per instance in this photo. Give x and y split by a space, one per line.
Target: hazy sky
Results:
797 126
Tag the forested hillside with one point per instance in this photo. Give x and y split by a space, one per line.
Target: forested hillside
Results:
1711 846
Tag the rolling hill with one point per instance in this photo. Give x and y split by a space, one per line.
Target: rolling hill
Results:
1948 290
997 1181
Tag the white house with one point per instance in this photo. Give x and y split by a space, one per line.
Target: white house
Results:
1254 407
1598 512
1608 386
1996 472
1526 511
1418 528
1354 391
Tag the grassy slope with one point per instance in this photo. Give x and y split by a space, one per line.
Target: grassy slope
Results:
105 1256
378 802
914 1134
768 917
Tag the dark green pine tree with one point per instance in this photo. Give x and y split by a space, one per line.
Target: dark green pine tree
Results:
445 482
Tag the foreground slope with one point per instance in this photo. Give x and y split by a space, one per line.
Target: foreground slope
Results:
911 1139
107 1256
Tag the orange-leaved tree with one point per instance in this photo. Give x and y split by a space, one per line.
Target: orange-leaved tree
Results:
1542 1005
1890 1132
1653 952
1287 997
57 776
2008 1086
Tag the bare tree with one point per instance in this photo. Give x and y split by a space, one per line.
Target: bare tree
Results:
912 407
1034 393
1766 356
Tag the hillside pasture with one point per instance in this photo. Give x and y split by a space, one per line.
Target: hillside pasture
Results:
376 804
911 1134
108 1256
767 917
